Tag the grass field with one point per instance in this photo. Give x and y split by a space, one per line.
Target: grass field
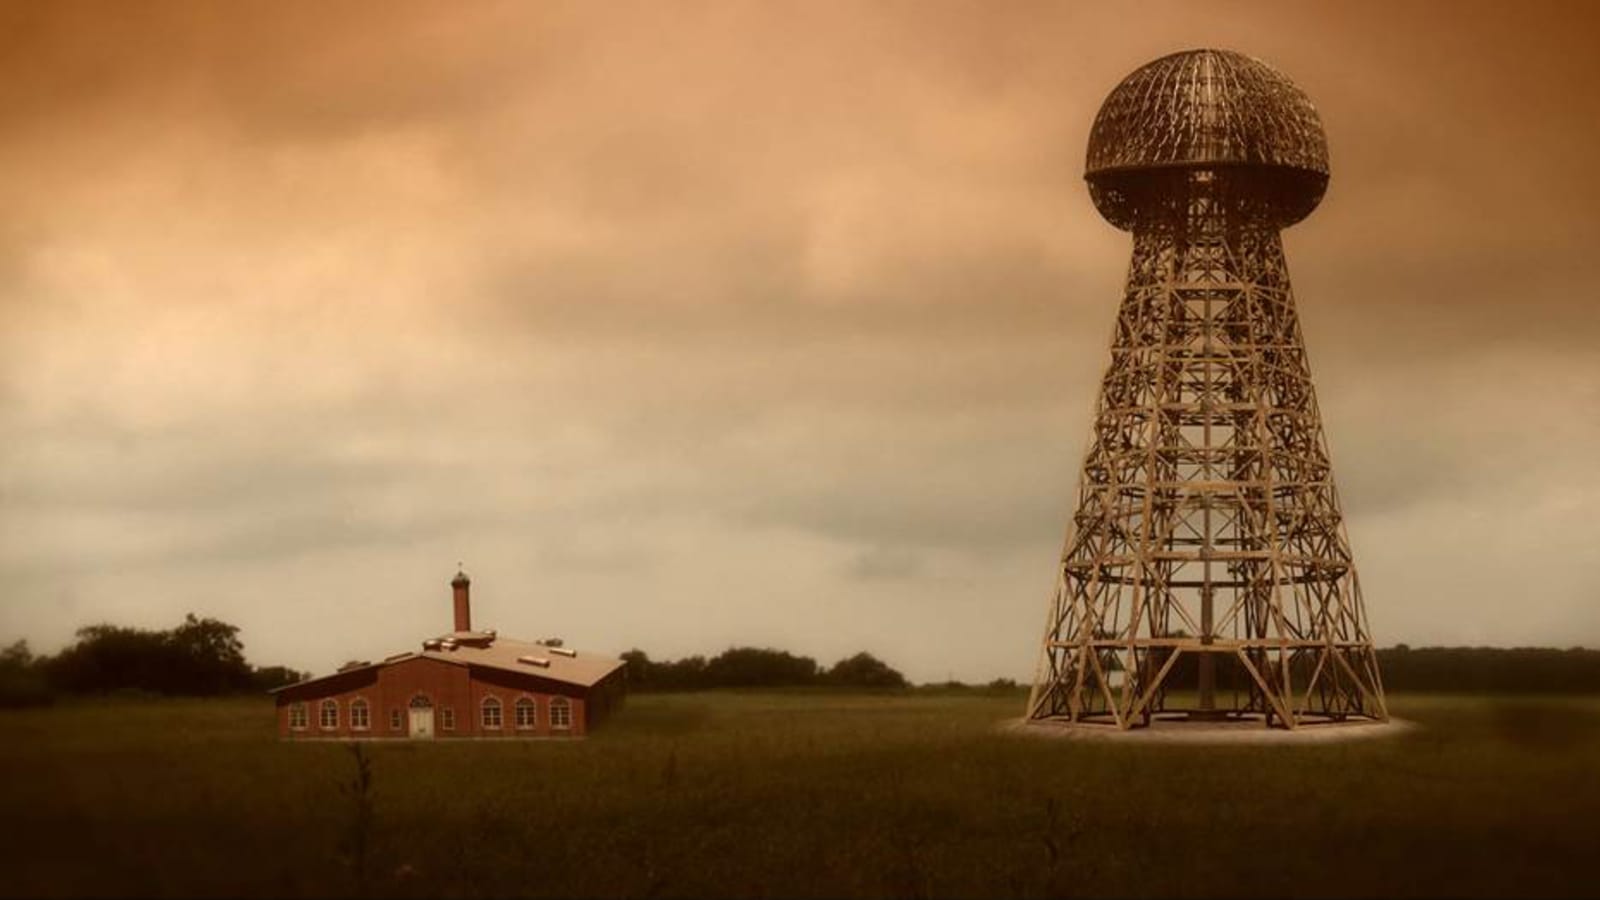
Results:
805 794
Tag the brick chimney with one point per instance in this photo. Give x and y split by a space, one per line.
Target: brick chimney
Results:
460 584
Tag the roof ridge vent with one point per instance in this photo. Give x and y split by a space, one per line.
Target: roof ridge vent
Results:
542 662
564 651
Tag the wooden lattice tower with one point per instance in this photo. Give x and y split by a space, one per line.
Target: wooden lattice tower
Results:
1207 573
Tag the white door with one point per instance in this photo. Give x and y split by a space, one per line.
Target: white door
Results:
422 723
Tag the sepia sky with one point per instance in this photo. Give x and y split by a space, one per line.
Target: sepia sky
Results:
686 325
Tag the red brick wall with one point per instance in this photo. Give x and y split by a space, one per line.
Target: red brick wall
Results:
605 697
445 684
343 688
385 689
449 686
508 686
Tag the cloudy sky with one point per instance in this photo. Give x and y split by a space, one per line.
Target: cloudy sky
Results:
685 325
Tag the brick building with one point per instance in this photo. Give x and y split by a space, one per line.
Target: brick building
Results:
461 684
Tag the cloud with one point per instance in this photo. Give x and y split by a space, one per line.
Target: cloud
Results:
881 563
731 322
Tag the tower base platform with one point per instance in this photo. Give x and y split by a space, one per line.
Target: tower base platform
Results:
1232 730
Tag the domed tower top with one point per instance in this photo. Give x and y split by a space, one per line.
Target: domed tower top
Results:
1213 110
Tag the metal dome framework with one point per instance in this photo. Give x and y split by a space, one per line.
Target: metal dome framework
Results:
1207 107
1229 113
1208 538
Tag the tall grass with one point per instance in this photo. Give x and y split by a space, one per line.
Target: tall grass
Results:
796 794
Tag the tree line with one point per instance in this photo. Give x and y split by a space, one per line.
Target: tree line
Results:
205 657
1544 670
1530 670
199 657
757 667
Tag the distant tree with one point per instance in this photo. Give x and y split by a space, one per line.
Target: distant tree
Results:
22 681
1497 669
265 678
688 674
639 669
759 667
108 657
16 656
207 658
1446 669
949 684
863 670
754 667
199 657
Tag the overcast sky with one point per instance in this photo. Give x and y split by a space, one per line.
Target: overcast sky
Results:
686 325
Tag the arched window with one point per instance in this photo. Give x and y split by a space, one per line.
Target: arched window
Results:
421 701
360 714
527 713
299 716
560 713
491 712
329 715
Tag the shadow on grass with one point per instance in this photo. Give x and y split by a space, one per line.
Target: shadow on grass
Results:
1543 723
676 718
